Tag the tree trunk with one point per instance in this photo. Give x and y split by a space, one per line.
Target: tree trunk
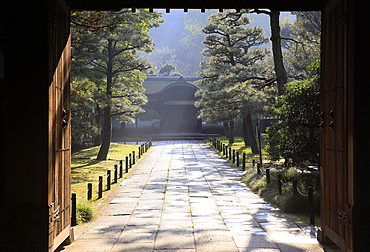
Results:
250 132
231 132
107 129
245 132
97 139
281 76
107 124
226 129
122 129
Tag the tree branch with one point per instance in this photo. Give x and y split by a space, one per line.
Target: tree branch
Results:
95 27
119 113
291 39
98 70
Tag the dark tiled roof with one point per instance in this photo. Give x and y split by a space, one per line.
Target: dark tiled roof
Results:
154 84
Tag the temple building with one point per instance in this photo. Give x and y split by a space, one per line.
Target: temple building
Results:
175 104
172 98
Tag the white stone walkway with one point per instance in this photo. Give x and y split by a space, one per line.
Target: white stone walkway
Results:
184 197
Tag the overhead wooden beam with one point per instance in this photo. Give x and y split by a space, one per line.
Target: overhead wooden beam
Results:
282 5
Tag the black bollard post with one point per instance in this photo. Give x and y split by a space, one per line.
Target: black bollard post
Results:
126 164
74 211
279 184
258 169
295 191
237 159
268 176
133 157
139 152
243 161
130 160
115 174
310 205
233 156
89 191
100 193
108 179
120 168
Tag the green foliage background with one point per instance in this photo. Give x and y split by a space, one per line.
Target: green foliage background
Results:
295 135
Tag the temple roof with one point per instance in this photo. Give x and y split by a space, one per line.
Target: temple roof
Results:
155 84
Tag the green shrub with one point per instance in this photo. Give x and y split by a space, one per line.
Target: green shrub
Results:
295 136
85 212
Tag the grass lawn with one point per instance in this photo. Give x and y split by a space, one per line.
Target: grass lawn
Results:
86 169
240 147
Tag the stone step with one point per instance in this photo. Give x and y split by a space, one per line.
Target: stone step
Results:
181 136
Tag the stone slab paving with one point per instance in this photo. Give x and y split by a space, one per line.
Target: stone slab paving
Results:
183 197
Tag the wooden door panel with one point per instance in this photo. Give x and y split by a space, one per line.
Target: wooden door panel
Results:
333 135
329 107
59 133
338 120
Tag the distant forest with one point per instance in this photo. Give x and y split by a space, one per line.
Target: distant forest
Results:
179 40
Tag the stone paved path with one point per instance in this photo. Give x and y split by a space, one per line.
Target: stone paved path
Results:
184 197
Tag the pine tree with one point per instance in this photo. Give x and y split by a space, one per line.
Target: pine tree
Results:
231 66
107 43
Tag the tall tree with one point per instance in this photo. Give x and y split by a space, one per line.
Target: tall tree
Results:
230 68
281 75
109 46
295 134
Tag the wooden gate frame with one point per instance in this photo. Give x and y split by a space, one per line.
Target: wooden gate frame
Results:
26 74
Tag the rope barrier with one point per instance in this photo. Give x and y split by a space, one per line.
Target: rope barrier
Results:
304 195
83 195
96 185
283 182
273 177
